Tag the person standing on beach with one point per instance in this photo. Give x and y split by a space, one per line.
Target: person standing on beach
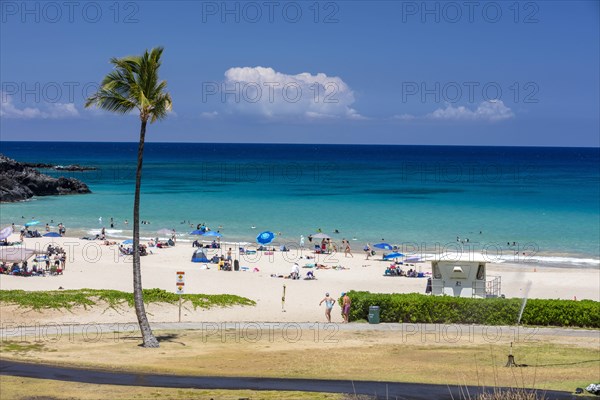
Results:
301 241
329 302
346 302
348 250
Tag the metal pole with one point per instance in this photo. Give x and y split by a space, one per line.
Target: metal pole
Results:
179 308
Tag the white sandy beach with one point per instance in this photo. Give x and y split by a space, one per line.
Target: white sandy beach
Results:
92 265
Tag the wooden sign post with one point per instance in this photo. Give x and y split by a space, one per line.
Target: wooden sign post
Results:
180 283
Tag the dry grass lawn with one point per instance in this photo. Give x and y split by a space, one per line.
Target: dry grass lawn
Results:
554 362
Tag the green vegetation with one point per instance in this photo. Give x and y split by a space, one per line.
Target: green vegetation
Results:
418 308
16 347
67 299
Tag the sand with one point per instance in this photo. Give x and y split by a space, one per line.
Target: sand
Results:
93 265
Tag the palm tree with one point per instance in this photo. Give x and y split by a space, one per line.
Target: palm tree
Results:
134 84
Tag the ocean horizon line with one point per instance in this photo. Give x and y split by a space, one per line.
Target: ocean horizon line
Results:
254 143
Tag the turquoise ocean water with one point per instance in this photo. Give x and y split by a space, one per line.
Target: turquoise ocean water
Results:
423 198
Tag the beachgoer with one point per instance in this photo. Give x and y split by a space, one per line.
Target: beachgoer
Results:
329 302
367 250
229 254
346 302
301 241
347 250
295 271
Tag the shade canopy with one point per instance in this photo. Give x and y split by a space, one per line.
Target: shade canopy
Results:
6 232
212 233
52 234
384 246
265 237
392 255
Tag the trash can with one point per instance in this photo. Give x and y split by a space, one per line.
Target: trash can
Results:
374 314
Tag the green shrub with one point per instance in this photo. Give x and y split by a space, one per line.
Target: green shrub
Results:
67 299
419 308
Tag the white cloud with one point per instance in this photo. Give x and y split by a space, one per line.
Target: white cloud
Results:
209 115
492 110
48 111
268 93
404 117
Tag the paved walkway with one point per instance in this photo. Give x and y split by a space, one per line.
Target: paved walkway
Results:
441 333
381 390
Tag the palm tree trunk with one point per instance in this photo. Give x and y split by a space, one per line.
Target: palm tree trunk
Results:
140 311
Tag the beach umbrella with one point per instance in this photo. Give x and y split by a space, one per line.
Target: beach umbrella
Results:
320 236
31 223
383 246
265 237
128 241
52 234
212 233
165 231
392 255
6 232
15 254
197 232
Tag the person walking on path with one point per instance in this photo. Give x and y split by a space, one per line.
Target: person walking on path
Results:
329 302
346 302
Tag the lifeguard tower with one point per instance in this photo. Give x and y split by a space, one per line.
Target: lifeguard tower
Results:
458 278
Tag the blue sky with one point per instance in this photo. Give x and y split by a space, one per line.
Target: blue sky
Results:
404 72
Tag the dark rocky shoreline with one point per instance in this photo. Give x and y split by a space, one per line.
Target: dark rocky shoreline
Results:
19 181
72 167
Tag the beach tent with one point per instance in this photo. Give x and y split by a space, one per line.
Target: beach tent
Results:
199 256
52 234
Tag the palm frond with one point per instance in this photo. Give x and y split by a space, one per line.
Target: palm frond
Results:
134 83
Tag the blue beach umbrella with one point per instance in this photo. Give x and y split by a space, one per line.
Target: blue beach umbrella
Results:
265 237
31 223
392 255
128 241
212 233
197 232
383 246
52 234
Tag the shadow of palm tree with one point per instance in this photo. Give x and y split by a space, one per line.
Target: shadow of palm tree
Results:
167 338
